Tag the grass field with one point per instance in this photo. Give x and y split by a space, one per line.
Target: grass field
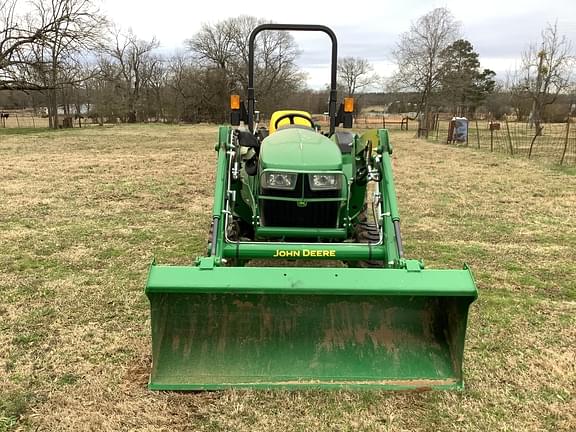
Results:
84 211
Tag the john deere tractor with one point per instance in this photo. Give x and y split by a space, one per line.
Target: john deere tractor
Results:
361 316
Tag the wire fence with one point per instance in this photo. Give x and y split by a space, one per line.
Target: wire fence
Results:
372 121
13 120
382 121
556 143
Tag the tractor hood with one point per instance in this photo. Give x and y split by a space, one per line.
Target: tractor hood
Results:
296 148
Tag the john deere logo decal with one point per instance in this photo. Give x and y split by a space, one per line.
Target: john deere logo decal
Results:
304 253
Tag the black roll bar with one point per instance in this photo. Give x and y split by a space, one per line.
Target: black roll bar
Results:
293 27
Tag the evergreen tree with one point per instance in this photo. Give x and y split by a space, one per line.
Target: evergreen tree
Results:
464 86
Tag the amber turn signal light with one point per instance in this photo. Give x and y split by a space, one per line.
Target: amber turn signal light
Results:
235 102
348 104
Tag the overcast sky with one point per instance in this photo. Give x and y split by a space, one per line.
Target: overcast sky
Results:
498 29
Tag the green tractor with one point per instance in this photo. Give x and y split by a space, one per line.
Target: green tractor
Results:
368 318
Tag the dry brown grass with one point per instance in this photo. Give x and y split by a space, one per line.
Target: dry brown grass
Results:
84 211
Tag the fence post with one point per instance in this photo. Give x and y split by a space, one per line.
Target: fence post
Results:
509 139
565 140
477 134
536 135
491 139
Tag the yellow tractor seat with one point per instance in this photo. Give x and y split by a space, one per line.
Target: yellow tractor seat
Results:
296 117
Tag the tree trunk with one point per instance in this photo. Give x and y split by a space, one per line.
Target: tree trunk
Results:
54 80
536 116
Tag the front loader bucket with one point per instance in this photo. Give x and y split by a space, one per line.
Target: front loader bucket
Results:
307 328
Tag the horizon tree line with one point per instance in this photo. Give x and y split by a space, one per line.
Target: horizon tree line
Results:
67 56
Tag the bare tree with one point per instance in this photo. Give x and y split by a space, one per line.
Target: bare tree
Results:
41 50
19 35
418 55
155 74
182 85
104 91
214 43
276 74
126 64
224 46
516 93
355 74
58 59
546 72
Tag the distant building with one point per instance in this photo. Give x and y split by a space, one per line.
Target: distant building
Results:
72 109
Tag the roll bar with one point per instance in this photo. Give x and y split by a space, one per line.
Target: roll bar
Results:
293 27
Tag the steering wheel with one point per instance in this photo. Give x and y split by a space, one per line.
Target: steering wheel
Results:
291 116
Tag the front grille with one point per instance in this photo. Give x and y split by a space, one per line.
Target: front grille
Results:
274 213
277 213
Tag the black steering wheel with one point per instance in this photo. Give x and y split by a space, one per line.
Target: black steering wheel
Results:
292 116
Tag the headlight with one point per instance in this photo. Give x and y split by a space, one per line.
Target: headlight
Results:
279 180
324 181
